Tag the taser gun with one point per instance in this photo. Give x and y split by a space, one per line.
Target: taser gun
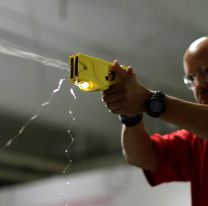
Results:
91 74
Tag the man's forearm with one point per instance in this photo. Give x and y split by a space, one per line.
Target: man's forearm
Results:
187 115
137 147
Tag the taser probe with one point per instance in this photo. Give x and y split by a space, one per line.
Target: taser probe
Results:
90 73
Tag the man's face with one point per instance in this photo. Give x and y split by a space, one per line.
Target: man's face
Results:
196 68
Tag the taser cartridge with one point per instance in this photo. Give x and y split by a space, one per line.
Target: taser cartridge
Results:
90 73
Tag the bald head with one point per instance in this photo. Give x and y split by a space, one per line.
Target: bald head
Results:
197 50
198 44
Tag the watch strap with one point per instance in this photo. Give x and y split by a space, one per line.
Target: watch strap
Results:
131 121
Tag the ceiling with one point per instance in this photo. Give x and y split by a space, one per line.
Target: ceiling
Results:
151 36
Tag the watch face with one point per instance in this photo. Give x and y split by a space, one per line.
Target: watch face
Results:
156 106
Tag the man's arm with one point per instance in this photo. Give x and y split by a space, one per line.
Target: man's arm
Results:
187 115
137 147
128 98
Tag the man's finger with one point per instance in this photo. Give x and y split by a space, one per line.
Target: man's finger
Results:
115 88
113 98
119 70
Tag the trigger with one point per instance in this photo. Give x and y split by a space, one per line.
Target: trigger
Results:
111 76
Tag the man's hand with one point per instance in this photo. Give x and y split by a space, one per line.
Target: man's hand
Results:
127 97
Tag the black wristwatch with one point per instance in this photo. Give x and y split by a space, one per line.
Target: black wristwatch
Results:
156 104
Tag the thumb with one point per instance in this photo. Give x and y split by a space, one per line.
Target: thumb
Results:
131 72
119 70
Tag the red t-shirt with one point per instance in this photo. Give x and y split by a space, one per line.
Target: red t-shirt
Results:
182 156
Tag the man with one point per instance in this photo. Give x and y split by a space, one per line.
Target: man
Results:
178 156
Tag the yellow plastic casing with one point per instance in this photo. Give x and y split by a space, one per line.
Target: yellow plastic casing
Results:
90 73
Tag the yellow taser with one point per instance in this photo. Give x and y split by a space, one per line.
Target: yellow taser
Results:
90 73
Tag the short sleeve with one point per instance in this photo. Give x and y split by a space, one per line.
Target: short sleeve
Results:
173 154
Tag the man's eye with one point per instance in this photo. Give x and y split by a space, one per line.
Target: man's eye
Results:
191 77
